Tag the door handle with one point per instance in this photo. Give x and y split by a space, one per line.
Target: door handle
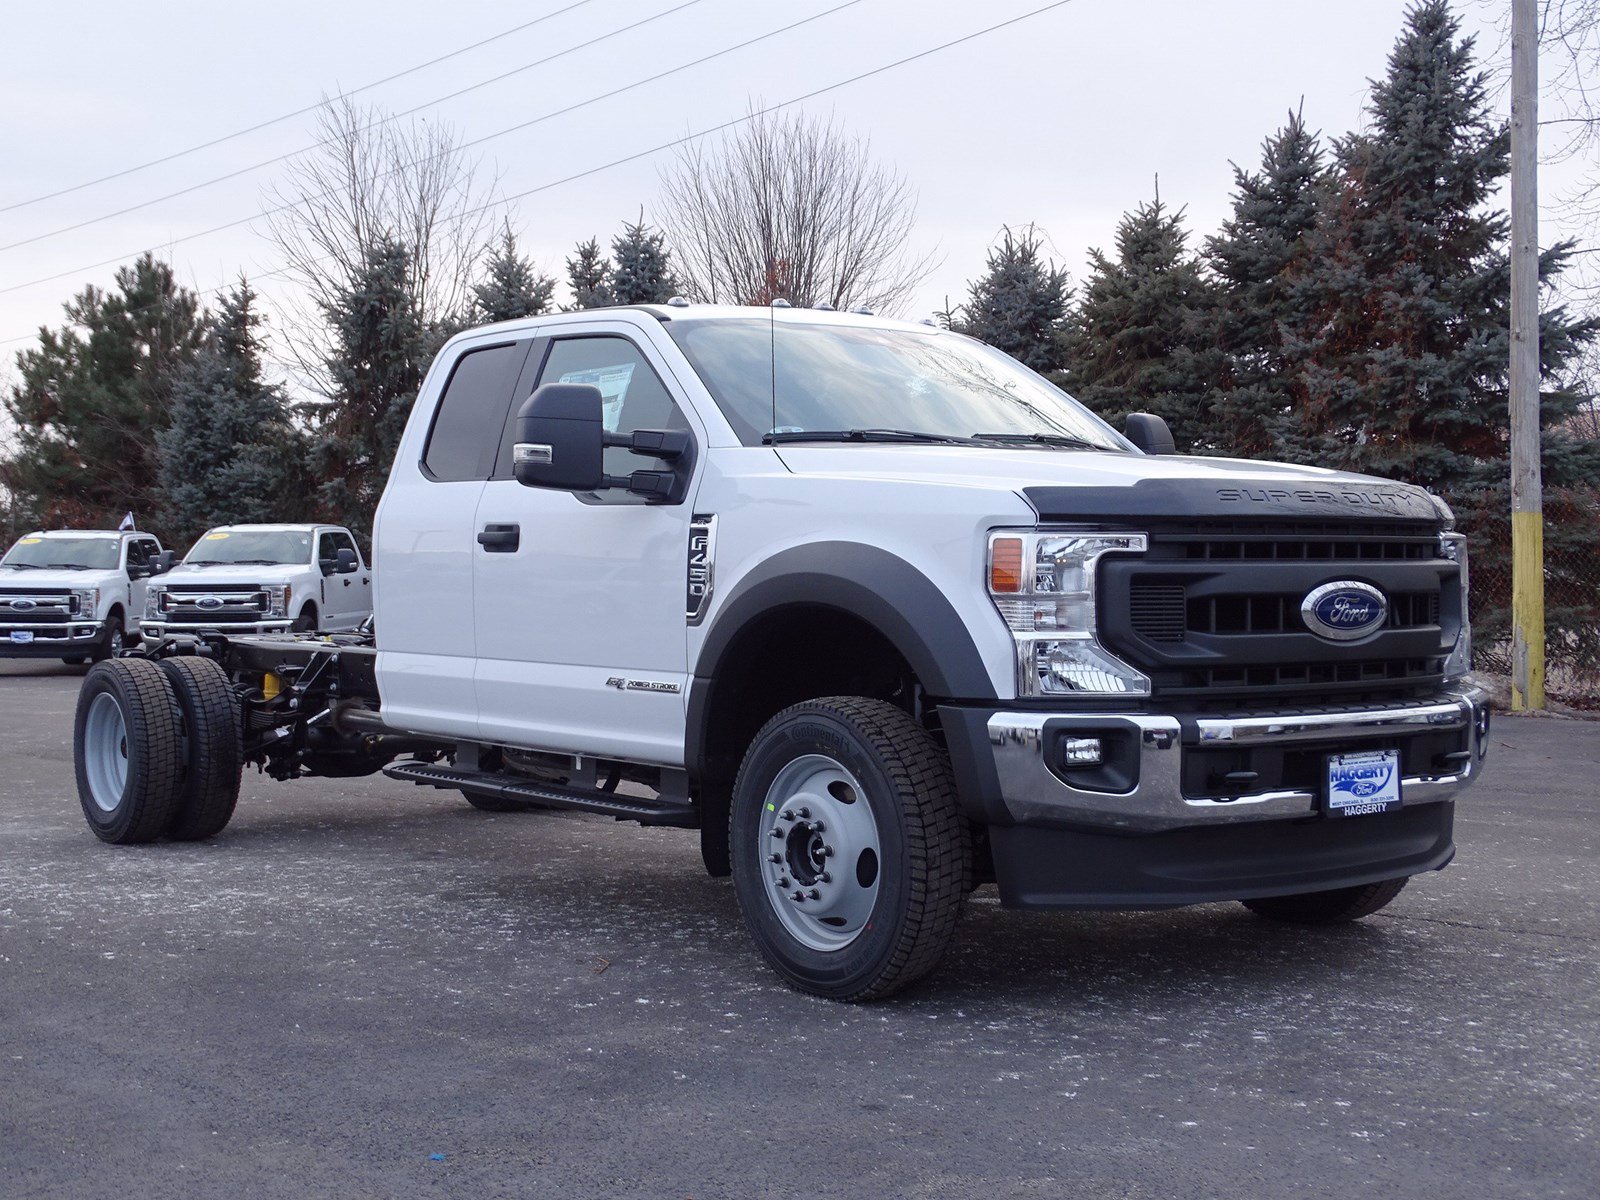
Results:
347 583
500 539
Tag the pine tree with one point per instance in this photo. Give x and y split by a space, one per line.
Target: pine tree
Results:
643 270
1139 339
379 355
589 276
511 287
231 453
93 396
1259 261
1406 370
1020 303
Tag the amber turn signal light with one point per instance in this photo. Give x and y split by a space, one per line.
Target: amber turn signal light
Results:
1005 565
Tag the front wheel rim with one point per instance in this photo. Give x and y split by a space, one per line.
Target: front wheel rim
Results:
820 852
105 752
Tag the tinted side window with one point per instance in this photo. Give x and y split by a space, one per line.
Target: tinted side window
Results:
138 552
632 394
337 541
472 412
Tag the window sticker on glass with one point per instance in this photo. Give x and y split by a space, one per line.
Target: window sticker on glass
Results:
613 384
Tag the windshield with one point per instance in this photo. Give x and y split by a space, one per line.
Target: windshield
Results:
786 378
85 553
254 547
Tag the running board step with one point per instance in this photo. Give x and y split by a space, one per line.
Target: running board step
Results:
505 787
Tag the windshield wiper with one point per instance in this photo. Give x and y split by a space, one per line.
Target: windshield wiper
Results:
68 567
862 435
1041 439
255 562
23 566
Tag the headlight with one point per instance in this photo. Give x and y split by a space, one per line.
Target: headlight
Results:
277 599
152 602
1454 547
1044 585
86 601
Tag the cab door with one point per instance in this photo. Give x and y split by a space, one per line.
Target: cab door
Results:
346 599
423 543
581 634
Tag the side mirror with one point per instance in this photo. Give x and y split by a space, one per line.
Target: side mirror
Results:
163 562
1150 433
561 442
560 438
344 562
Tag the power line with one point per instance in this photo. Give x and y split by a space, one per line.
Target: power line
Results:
299 112
285 207
549 58
687 138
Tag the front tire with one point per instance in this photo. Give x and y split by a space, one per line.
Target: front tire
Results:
1328 908
215 745
112 639
850 857
125 751
306 622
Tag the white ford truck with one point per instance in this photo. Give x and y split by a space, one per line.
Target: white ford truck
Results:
74 594
880 613
242 579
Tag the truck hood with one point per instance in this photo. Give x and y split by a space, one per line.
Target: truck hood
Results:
26 580
1090 485
233 576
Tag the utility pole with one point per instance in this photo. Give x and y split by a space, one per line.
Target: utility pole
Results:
1527 502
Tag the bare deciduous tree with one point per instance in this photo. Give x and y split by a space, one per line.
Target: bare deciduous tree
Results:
369 178
791 206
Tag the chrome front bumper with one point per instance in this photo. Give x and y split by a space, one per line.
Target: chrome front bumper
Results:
1033 794
155 632
70 634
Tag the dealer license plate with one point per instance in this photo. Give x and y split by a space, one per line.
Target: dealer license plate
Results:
22 635
1362 784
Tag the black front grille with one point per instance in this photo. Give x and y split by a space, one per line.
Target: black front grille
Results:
1212 613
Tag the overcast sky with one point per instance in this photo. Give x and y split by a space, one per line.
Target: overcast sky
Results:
1064 119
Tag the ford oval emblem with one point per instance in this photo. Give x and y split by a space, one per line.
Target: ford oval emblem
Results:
24 605
1344 611
208 602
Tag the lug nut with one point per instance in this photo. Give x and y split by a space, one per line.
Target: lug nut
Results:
783 881
799 897
805 814
826 877
814 894
786 815
778 833
774 858
827 852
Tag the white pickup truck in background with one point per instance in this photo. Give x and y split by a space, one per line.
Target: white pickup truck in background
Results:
262 579
73 594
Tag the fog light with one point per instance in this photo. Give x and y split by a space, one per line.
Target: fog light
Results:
1080 752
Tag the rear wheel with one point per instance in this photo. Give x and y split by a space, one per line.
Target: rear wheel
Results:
1328 908
215 758
125 751
850 857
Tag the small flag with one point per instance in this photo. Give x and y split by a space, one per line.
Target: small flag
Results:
127 523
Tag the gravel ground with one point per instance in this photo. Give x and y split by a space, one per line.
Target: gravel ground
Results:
366 989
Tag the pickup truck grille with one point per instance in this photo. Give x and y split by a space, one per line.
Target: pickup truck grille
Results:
41 607
214 606
1212 614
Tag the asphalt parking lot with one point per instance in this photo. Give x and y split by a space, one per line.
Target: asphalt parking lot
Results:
366 989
